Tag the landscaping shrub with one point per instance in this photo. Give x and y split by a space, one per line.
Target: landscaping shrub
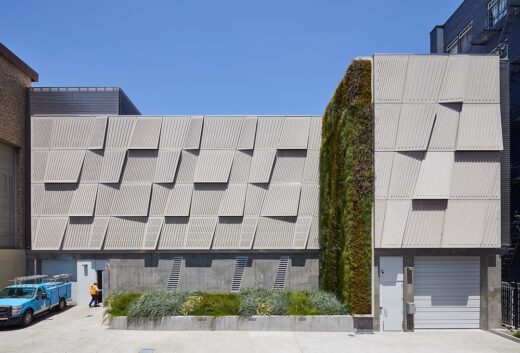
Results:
326 303
516 334
262 301
217 304
117 303
157 304
298 304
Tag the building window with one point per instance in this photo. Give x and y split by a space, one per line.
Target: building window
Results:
453 47
7 196
497 10
462 42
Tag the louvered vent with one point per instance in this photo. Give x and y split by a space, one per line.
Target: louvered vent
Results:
240 265
279 281
175 275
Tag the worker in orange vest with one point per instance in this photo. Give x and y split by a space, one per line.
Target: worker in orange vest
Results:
94 293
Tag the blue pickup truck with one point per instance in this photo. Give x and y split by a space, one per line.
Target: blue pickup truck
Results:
33 295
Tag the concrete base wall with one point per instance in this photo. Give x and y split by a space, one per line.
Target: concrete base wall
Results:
12 264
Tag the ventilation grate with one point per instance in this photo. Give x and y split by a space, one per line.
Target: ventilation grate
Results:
175 275
281 274
240 265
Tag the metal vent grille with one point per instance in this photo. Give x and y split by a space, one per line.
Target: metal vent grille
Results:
175 275
240 265
281 274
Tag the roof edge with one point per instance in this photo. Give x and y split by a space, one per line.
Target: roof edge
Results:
19 63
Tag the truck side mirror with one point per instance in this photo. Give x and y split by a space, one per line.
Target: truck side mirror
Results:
44 296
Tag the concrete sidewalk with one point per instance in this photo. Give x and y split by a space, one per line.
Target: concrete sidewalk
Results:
79 330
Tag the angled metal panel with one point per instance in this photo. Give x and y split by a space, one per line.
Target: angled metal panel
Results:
97 138
125 233
241 166
274 233
233 200
389 77
444 134
221 133
415 127
386 122
41 132
146 133
173 132
480 127
64 166
295 133
315 133
214 166
132 200
193 136
288 166
37 199
98 230
200 232
57 199
105 198
282 200
227 233
35 221
49 234
160 193
187 166
455 79
247 232
173 233
38 165
311 172
261 166
396 216
179 200
383 170
425 222
112 166
405 171
72 132
435 176
475 175
483 79
119 131
268 131
140 166
77 234
91 167
424 76
379 219
492 235
309 200
167 162
247 134
83 200
153 230
314 234
254 199
206 199
301 232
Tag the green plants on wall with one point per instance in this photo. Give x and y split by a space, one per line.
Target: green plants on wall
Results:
346 190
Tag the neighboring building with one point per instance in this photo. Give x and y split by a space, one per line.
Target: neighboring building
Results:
492 26
15 77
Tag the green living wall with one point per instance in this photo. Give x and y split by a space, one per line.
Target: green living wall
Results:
346 190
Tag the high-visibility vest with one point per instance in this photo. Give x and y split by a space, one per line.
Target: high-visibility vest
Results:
93 289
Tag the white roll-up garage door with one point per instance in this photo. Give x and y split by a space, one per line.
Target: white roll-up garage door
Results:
447 292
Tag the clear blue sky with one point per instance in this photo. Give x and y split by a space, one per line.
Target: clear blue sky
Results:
213 57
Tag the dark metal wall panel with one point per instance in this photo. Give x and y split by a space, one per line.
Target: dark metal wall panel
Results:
505 155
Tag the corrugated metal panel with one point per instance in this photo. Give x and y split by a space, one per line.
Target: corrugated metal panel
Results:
288 166
274 233
51 102
301 232
241 166
386 117
98 230
146 133
455 79
261 166
214 166
49 234
57 199
282 200
174 131
227 233
113 161
505 155
119 131
83 200
206 199
77 235
125 233
415 127
295 133
105 198
160 193
37 199
132 200
95 102
221 133
247 135
91 167
311 172
425 222
389 77
396 215
193 136
383 170
480 127
268 131
41 132
200 232
140 166
309 200
254 199
492 233
248 231
444 133
97 138
233 200
315 134
35 221
314 234
72 132
179 200
483 79
465 223
475 175
405 171
379 219
435 176
166 166
187 166
64 166
38 165
173 233
424 77
153 230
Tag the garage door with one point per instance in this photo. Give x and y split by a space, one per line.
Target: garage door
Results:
447 292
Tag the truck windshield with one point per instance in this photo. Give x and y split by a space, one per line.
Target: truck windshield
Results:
16 293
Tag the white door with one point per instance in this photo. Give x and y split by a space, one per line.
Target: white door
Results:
447 292
391 293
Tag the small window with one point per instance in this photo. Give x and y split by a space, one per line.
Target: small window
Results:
453 47
462 42
497 10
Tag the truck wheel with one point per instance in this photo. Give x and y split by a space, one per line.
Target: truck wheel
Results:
27 318
62 304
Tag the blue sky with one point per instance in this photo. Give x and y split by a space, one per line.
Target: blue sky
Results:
214 57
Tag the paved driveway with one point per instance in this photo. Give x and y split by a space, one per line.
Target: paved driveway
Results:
79 330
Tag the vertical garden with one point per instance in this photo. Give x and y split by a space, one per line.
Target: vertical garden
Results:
346 190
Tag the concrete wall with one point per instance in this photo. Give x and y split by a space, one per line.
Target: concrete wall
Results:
12 264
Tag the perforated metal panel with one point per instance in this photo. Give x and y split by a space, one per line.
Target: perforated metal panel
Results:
112 166
424 225
254 199
396 215
146 133
295 133
125 233
194 131
476 175
49 233
389 77
415 127
97 138
268 131
119 131
314 234
480 127
274 233
444 132
227 233
261 166
83 200
105 198
214 166
132 200
64 166
405 171
233 201
153 230
424 76
301 232
179 200
91 170
221 133
200 232
174 132
38 165
282 200
206 199
386 122
309 200
241 166
434 176
173 233
140 166
166 167
247 134
41 132
455 78
288 166
72 133
315 133
248 231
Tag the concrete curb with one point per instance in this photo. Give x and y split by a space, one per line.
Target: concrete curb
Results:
505 335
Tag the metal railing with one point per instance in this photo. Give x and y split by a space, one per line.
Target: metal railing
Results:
510 304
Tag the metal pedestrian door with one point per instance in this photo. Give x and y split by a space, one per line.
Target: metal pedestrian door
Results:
391 293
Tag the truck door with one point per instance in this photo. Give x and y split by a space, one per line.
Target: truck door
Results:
41 300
